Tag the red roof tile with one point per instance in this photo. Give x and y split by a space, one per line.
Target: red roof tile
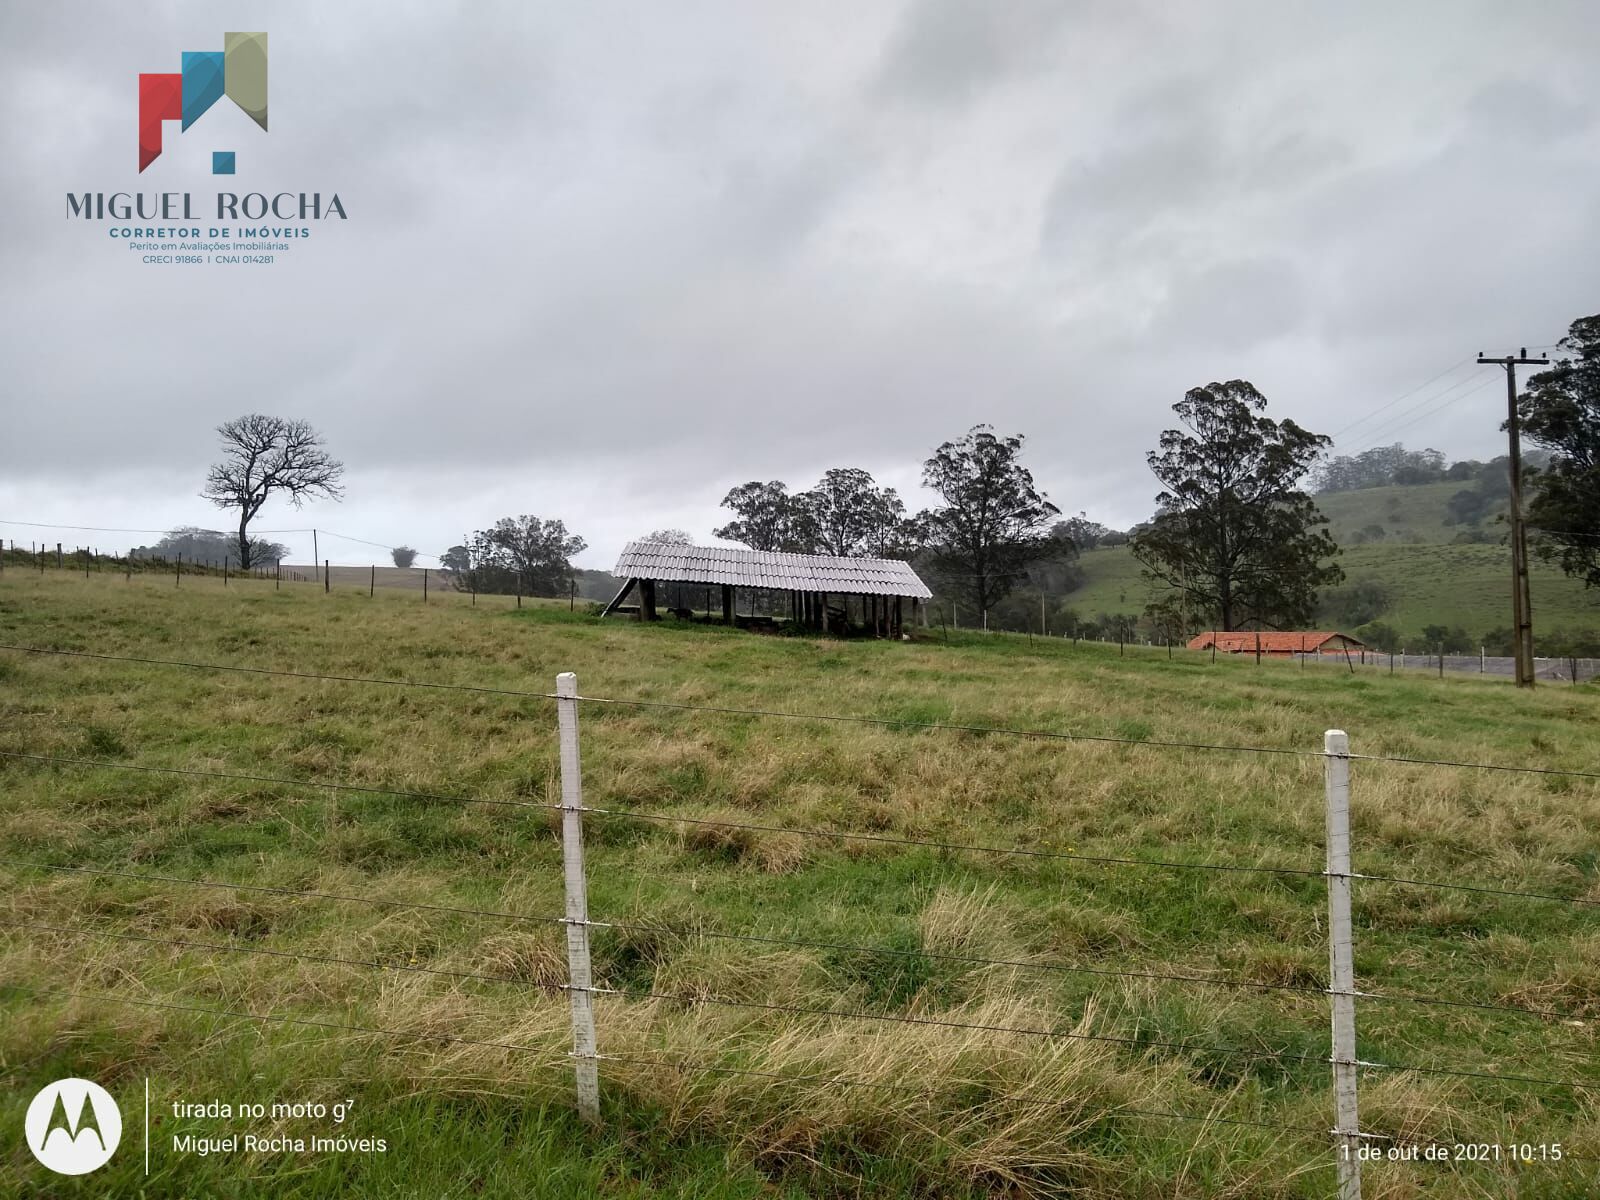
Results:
1271 642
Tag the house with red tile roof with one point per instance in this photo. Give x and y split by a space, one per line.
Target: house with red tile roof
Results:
1279 644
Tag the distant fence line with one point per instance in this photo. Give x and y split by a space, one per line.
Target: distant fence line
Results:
368 577
42 556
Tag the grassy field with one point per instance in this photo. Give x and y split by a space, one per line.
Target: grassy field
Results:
1466 585
1414 513
930 1110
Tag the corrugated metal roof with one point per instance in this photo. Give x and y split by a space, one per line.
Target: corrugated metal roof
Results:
768 569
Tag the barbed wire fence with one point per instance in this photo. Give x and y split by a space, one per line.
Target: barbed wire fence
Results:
1347 1143
326 574
428 582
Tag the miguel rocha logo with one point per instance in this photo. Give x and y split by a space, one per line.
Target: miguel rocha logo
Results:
174 228
237 71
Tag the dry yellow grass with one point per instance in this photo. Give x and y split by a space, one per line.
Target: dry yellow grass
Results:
884 1108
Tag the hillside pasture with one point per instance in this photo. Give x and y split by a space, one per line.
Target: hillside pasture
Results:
743 1068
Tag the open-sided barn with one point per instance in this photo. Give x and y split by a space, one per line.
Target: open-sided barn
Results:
814 591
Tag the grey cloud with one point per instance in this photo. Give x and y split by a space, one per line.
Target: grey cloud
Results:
1234 305
1521 111
602 264
948 50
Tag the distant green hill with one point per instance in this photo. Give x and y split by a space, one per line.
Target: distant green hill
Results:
1401 539
1419 514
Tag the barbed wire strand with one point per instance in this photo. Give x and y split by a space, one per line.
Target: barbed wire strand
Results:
1136 1043
688 999
169 662
679 1063
237 1014
298 893
268 952
807 943
842 718
431 797
951 847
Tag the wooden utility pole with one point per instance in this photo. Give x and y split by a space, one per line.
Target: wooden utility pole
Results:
1521 597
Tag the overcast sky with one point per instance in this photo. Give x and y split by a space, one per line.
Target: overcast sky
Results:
605 260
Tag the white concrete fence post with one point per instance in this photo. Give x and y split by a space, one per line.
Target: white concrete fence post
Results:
579 979
1341 962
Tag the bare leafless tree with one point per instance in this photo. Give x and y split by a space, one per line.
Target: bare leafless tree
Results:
262 455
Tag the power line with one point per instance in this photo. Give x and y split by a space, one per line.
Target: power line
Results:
116 529
360 541
1403 396
180 529
1404 420
1564 533
1420 417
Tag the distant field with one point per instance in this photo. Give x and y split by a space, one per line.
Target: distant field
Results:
592 585
360 577
1432 583
991 1081
1404 513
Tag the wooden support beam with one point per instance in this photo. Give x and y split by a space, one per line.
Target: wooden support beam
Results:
647 599
609 609
727 604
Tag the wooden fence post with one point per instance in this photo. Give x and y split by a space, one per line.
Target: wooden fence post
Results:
1341 962
326 585
372 582
579 978
424 585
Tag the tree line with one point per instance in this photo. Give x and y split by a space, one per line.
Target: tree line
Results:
1236 540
